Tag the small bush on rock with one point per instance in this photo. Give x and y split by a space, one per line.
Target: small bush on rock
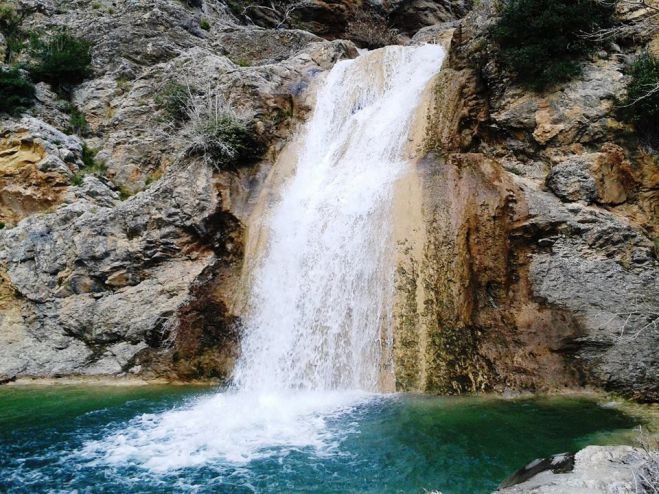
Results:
641 105
218 135
77 122
62 60
174 99
16 91
542 41
91 166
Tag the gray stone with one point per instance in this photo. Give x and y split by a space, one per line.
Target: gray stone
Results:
571 180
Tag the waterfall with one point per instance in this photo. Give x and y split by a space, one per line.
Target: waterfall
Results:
317 336
320 303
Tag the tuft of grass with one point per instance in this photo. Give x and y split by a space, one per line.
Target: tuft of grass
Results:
153 177
77 122
542 41
242 62
218 135
123 84
125 193
77 179
204 24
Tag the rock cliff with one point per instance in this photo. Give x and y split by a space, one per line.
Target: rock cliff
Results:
537 267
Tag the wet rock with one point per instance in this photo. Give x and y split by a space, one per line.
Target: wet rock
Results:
595 469
560 463
565 292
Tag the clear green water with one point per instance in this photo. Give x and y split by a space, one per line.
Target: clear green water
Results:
401 444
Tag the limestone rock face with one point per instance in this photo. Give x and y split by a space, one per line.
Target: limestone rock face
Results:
410 16
539 268
36 162
101 282
129 270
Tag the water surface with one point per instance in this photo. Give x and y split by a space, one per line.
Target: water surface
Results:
184 439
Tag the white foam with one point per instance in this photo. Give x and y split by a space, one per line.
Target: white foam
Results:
232 428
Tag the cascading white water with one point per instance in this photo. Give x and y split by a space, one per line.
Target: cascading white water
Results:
316 337
321 299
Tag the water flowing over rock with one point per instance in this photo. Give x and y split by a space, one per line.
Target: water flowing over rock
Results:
320 307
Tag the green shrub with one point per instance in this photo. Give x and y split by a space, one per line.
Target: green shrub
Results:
62 60
542 41
204 24
641 105
174 99
16 91
10 27
89 159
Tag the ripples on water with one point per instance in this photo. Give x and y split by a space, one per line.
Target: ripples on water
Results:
172 439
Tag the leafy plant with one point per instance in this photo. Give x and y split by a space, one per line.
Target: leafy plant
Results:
62 60
204 24
542 41
641 105
16 91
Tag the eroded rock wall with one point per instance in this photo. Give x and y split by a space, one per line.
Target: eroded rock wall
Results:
128 265
539 269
